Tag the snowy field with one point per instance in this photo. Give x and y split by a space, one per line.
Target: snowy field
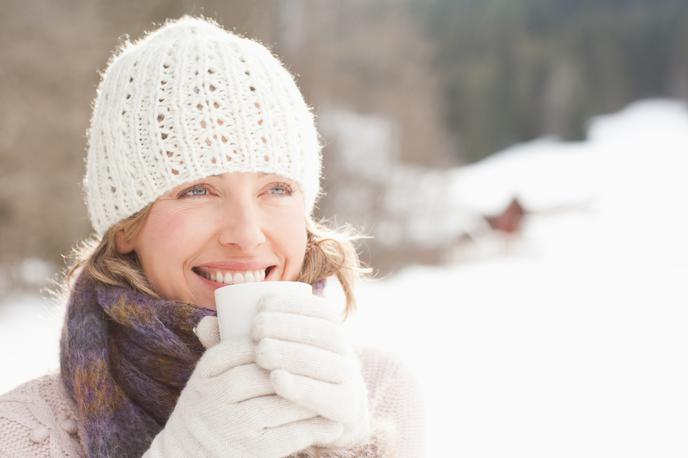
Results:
570 343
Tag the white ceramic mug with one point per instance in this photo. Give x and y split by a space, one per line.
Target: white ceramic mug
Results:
237 305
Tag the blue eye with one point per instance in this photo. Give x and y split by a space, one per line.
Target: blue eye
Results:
283 189
195 191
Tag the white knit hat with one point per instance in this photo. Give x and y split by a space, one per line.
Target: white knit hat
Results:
188 101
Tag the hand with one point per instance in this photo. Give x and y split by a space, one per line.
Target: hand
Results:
229 408
302 343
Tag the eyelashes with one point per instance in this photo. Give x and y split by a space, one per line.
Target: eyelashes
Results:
192 191
288 190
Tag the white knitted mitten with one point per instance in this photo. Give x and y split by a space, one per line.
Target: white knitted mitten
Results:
229 408
302 343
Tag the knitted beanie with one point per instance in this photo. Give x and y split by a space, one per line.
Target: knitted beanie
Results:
187 101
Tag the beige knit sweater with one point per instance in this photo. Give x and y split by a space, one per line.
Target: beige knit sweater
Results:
37 418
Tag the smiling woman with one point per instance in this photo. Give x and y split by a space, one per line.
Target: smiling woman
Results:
203 170
231 225
112 260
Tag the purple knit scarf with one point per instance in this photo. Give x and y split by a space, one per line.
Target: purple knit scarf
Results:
125 357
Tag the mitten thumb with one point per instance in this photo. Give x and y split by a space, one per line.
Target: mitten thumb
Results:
208 331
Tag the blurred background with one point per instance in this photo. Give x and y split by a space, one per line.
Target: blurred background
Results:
520 165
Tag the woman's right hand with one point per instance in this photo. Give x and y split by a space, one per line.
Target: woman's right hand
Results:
229 408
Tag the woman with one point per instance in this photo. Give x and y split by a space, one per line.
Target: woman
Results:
203 169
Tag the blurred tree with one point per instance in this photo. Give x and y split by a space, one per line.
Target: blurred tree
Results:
514 70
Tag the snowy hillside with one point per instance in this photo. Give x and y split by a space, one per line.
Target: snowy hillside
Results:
573 342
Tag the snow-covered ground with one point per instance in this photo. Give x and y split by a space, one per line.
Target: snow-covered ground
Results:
573 343
29 337
621 195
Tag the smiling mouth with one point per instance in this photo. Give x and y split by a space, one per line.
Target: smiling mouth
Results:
234 277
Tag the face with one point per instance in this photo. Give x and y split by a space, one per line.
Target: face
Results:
223 229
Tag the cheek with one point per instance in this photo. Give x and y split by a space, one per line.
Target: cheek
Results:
170 238
291 233
168 230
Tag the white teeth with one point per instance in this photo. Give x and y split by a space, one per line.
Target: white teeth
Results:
230 278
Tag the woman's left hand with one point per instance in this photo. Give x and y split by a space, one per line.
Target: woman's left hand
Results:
311 362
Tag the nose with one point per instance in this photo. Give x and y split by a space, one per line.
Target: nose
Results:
240 225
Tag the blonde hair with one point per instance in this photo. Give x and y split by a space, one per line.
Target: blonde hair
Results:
328 252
